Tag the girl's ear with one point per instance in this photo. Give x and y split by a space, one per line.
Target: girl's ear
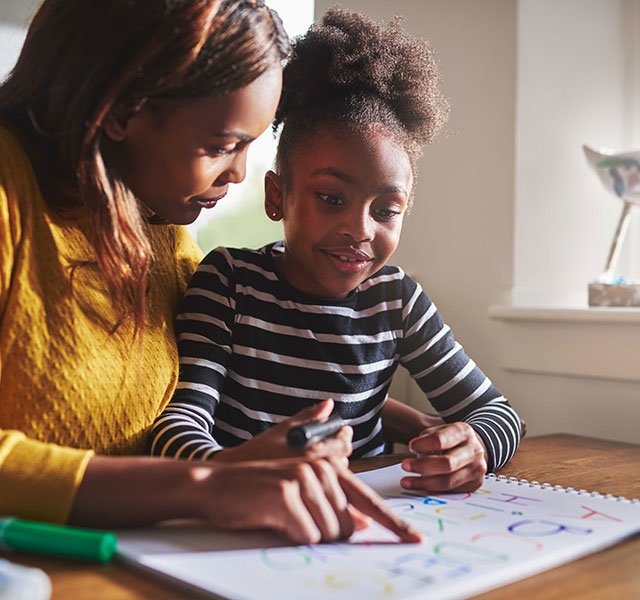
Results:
273 195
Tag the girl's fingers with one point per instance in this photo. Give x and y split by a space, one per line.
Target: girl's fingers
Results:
364 499
336 447
467 479
446 463
317 412
440 438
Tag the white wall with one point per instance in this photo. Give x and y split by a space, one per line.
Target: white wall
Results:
577 83
505 204
458 239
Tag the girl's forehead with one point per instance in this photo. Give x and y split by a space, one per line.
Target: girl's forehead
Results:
369 154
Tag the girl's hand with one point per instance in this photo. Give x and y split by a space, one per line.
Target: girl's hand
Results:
450 458
307 502
272 444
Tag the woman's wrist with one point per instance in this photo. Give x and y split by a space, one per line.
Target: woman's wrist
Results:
137 491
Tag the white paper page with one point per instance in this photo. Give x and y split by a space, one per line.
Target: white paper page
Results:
473 542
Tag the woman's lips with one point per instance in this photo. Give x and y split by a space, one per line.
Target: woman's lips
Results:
209 202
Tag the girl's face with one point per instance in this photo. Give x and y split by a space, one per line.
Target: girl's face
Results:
183 161
342 210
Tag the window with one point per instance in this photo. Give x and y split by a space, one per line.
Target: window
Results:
578 83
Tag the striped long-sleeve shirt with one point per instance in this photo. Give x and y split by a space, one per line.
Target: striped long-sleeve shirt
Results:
254 351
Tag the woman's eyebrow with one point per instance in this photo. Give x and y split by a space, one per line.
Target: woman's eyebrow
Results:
385 189
243 137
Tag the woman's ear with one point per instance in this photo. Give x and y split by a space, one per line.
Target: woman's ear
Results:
117 119
115 124
273 196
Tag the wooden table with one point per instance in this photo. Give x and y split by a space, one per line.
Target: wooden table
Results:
580 462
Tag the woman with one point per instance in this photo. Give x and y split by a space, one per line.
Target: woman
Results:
120 121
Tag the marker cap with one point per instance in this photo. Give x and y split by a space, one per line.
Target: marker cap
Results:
59 540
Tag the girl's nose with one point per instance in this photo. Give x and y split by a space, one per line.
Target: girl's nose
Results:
358 226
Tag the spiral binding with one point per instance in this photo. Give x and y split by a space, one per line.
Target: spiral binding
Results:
559 488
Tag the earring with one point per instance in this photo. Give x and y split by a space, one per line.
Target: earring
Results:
274 214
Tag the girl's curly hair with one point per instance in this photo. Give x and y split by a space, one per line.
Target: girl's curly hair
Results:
349 70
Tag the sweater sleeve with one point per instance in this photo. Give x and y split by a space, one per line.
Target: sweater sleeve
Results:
188 256
204 326
37 480
452 382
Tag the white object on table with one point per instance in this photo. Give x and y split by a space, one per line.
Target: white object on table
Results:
23 583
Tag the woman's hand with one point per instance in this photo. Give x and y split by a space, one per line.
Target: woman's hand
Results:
450 458
307 502
272 444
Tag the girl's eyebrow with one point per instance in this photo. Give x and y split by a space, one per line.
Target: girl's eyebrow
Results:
387 189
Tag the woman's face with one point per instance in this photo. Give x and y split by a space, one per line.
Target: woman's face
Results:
183 161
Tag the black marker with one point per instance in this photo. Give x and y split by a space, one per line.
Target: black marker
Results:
304 435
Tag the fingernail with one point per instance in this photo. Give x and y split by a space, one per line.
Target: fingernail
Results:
406 483
415 536
406 465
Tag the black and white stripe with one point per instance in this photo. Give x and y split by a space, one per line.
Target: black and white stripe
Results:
254 351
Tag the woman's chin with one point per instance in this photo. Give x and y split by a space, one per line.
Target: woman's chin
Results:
183 216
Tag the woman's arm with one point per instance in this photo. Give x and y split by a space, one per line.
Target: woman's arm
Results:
307 502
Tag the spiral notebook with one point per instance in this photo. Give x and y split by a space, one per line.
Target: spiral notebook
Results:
507 530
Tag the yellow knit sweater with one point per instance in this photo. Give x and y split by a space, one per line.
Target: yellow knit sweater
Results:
68 386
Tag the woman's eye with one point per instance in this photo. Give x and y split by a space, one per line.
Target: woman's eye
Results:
221 150
330 200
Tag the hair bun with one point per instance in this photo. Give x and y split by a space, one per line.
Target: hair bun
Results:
348 54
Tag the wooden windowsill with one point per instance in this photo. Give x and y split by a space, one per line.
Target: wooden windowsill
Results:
584 342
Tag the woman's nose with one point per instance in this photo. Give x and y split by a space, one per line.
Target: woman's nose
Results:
237 168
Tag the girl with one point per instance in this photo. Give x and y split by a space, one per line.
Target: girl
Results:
104 148
263 333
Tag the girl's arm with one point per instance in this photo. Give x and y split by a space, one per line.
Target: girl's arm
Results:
307 502
481 430
401 423
204 335
273 444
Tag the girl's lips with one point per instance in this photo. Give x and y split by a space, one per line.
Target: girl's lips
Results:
348 263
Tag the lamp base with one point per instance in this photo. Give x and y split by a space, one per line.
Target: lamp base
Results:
614 294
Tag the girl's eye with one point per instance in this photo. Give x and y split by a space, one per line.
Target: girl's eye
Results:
331 200
386 213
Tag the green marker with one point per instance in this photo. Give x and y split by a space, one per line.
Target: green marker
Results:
59 540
